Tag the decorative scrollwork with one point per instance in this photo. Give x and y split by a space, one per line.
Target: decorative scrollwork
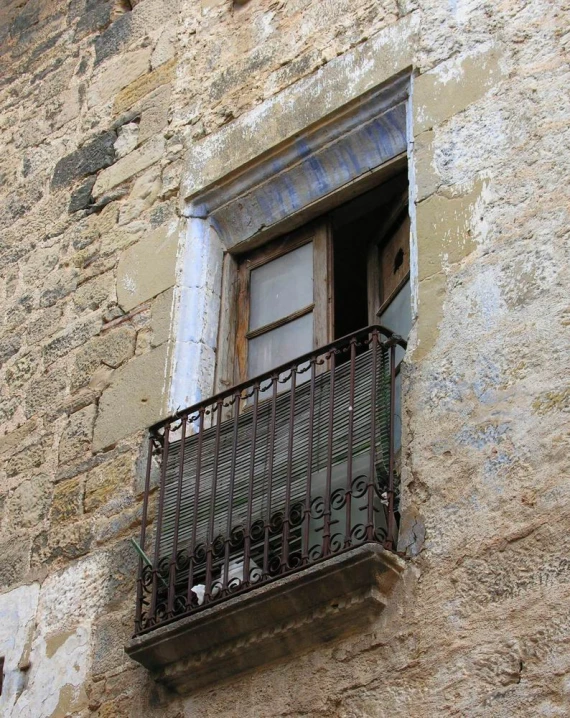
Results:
218 546
336 542
200 552
276 523
163 568
274 565
358 533
317 507
182 560
257 531
237 537
296 514
234 584
146 577
359 486
338 499
380 534
315 552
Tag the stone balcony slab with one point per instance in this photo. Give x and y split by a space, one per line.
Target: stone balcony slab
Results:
321 603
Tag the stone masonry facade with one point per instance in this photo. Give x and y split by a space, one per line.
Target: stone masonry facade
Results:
113 113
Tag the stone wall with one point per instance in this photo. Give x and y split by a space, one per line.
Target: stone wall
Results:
100 103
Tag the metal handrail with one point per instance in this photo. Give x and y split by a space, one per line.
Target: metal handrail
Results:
270 486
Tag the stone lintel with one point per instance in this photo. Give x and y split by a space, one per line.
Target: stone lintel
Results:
321 603
315 176
308 101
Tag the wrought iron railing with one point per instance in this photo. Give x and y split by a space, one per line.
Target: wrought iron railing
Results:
269 477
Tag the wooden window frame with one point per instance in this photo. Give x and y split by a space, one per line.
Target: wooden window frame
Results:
379 256
318 232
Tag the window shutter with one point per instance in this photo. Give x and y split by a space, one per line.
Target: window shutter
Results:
276 475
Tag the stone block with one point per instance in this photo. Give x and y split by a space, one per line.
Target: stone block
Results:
11 441
135 400
71 337
48 322
21 371
122 561
95 293
67 502
111 633
145 17
454 85
68 541
147 268
165 48
93 20
143 86
28 504
45 393
26 461
8 347
112 348
127 139
128 166
426 174
57 286
154 112
171 177
76 438
90 158
161 318
431 296
15 564
444 230
116 74
82 197
69 107
39 264
106 480
114 38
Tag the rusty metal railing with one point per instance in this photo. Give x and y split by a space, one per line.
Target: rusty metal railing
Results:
269 477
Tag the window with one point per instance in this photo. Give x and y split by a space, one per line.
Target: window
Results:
283 301
346 270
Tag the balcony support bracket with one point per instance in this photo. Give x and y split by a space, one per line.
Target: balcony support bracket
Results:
321 603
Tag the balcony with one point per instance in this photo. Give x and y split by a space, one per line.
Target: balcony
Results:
275 512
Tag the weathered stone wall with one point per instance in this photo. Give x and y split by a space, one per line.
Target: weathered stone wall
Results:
99 105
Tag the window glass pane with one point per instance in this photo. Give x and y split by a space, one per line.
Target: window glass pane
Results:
281 286
280 345
398 316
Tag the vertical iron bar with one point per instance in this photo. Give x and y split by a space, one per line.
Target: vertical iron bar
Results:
156 558
286 522
307 512
247 536
391 518
192 548
172 567
138 614
210 538
348 490
237 398
267 526
372 470
327 514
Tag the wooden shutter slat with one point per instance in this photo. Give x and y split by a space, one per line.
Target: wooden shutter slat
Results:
299 470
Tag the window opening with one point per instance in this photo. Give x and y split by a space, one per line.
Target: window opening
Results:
1 674
398 260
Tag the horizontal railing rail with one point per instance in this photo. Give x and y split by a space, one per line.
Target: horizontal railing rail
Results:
270 476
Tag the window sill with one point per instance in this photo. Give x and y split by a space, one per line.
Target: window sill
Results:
321 603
